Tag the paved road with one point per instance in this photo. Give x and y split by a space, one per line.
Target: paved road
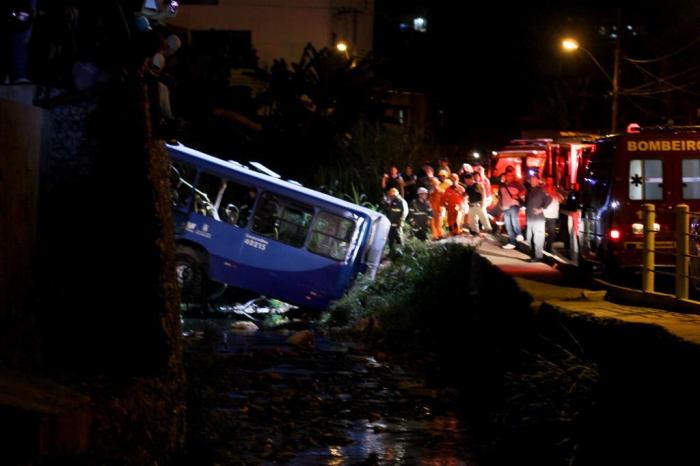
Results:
544 283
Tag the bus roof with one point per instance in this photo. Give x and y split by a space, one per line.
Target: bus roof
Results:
183 152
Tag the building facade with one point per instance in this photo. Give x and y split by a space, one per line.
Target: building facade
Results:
282 28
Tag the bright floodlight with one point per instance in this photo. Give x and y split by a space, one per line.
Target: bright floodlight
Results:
341 46
569 44
476 155
420 24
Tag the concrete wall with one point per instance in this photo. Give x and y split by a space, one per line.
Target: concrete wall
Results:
20 144
556 386
282 28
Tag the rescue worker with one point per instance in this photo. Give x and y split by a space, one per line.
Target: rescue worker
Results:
444 177
510 196
571 210
396 211
453 200
551 213
443 164
392 180
475 196
426 178
483 179
421 215
410 184
463 208
537 200
435 197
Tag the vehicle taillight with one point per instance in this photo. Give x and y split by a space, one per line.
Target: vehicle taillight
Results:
615 234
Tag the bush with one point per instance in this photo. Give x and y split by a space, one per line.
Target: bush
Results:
425 275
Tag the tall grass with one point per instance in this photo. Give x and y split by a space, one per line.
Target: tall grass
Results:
356 169
403 289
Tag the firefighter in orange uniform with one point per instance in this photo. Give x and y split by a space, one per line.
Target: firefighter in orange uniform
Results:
435 197
453 201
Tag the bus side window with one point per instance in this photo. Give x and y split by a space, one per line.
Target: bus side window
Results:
182 178
236 203
646 180
691 178
282 219
209 190
331 236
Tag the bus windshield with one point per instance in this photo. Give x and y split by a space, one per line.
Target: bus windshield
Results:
331 236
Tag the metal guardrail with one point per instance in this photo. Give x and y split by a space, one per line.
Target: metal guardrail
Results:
682 235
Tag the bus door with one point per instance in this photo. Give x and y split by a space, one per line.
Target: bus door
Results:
182 180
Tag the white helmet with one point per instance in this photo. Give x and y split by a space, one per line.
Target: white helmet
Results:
422 190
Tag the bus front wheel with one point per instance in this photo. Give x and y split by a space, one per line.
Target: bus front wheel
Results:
190 276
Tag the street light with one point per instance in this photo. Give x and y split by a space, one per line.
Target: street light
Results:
572 45
342 47
569 44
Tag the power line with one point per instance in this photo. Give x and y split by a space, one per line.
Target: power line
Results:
661 90
673 76
653 60
660 79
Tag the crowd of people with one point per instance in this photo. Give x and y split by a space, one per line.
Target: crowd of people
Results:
450 203
463 202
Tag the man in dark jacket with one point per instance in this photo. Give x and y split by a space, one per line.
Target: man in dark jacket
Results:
396 211
420 215
536 201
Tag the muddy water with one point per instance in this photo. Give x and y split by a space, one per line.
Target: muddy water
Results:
332 404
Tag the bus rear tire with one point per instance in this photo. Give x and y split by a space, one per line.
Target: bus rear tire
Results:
191 276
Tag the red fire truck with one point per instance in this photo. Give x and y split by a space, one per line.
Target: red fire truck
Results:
659 165
561 159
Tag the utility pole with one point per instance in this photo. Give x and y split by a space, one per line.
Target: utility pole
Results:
616 74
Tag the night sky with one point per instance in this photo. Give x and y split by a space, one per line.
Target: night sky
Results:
494 68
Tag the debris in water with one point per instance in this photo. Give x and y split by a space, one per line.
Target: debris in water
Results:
304 338
244 326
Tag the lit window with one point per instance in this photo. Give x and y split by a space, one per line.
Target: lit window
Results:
691 179
645 180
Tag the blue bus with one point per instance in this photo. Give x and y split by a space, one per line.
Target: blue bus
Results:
239 227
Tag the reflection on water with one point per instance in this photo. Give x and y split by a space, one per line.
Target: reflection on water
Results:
389 416
440 441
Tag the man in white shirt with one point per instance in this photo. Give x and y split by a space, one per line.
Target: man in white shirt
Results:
551 213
